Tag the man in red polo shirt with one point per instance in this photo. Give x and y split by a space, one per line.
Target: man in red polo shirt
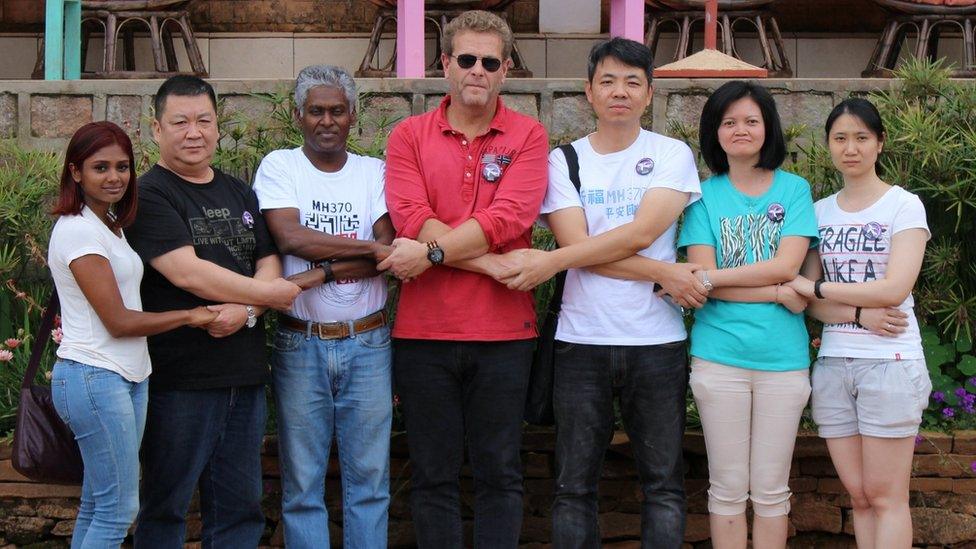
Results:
464 184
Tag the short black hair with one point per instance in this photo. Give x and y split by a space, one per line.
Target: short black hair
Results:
773 151
184 85
628 52
859 108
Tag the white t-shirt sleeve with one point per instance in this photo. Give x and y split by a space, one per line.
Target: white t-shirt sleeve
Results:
274 183
910 215
378 181
678 171
77 238
561 193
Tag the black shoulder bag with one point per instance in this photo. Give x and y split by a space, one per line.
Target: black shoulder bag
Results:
538 400
44 448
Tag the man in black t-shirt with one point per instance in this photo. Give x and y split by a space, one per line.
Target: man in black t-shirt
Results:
205 243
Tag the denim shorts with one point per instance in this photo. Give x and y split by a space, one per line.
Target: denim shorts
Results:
871 397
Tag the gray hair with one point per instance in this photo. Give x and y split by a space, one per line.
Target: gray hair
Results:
324 75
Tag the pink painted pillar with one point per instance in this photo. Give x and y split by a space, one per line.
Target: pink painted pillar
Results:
627 19
711 25
410 39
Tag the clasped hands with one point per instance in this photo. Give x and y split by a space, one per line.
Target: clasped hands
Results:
224 319
525 269
882 321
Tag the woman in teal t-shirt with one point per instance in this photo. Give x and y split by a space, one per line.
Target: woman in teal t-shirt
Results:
749 373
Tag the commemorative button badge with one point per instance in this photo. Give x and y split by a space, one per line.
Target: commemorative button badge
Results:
775 212
644 166
873 230
491 172
247 219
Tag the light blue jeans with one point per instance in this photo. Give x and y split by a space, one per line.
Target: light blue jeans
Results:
107 414
341 387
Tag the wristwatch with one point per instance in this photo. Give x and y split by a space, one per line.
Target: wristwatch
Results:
434 253
252 318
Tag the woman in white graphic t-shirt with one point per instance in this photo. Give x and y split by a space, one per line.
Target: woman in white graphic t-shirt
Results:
870 383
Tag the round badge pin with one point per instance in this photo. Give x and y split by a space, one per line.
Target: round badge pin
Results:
775 212
248 219
491 172
644 166
873 230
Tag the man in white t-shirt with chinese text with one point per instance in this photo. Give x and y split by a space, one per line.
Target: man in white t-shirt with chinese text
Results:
616 336
326 210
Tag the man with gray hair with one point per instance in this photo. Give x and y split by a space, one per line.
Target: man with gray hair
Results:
326 210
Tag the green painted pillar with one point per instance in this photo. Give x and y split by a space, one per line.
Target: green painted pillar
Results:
62 40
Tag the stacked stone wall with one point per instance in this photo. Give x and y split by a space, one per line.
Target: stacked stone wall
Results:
44 114
943 497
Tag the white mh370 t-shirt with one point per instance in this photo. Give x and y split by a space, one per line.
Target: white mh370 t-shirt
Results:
598 310
344 203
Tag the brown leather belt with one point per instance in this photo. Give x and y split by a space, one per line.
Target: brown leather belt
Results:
334 330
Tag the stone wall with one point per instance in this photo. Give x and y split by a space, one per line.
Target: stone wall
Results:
44 114
943 497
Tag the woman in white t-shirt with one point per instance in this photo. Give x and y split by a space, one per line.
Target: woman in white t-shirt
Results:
99 382
870 383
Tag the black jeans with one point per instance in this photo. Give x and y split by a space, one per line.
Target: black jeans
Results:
208 439
651 382
457 391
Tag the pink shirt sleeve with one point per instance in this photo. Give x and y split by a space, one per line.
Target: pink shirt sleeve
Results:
518 198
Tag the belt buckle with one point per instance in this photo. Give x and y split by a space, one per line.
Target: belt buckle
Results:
324 330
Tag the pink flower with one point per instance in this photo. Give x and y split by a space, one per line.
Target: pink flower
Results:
6 356
12 343
815 343
57 335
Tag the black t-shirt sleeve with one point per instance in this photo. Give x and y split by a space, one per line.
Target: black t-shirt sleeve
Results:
263 243
159 228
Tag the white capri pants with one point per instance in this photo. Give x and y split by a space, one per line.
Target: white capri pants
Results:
750 419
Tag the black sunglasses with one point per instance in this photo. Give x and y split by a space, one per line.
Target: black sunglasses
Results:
466 61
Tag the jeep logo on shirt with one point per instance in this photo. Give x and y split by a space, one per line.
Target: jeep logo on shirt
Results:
221 213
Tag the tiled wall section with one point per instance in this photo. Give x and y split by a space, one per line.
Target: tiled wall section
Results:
282 55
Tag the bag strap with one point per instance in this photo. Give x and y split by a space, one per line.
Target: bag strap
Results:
572 162
40 341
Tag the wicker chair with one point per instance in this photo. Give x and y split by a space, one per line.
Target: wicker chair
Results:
120 18
925 19
438 13
685 15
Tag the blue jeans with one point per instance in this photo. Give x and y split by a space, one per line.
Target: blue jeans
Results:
107 414
457 391
209 439
341 387
651 383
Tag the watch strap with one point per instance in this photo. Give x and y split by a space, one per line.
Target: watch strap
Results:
326 267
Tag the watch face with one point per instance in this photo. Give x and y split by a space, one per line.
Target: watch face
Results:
436 256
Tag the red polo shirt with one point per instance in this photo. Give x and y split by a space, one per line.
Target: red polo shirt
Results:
499 179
